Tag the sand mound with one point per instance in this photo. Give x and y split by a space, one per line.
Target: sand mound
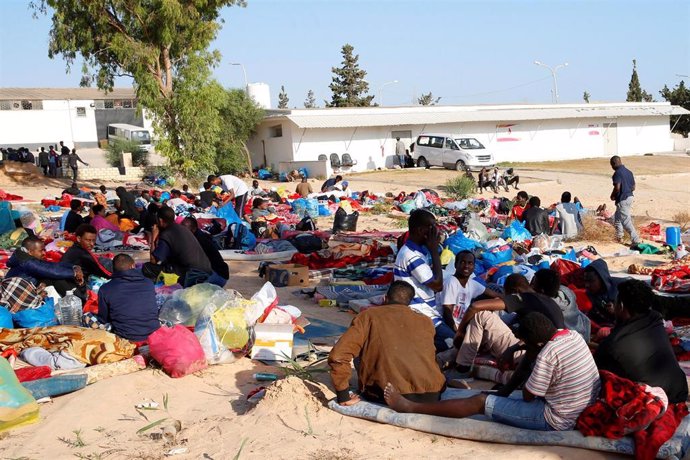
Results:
14 172
295 393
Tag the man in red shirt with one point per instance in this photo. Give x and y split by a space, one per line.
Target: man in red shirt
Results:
519 207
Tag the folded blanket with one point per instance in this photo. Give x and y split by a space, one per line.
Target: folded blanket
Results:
90 346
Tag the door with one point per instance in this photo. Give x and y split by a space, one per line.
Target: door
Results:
611 139
451 153
435 151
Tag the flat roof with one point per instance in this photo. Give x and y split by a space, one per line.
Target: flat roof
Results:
352 117
46 94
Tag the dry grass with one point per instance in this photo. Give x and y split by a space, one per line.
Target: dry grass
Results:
595 230
657 164
682 218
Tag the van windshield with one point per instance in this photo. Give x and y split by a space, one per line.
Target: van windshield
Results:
469 143
142 137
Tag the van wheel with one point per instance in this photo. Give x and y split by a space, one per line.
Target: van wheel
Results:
422 163
460 166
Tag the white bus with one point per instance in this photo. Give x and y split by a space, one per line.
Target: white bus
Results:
125 132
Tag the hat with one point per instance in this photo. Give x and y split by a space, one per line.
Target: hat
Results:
345 182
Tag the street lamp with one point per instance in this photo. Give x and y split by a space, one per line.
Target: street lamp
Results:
246 83
381 88
553 71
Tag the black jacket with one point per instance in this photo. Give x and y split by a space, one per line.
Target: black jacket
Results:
76 255
185 251
127 205
639 350
74 220
217 263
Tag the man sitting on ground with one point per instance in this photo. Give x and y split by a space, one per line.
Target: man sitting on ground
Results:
74 218
81 253
509 177
221 272
563 383
638 348
569 218
28 263
128 302
175 248
412 266
548 283
536 218
330 184
394 344
519 207
304 188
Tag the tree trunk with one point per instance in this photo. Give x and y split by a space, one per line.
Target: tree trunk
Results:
249 157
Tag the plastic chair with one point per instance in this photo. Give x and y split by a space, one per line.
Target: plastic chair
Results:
347 160
335 161
323 157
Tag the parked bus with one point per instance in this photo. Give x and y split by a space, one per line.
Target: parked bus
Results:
138 134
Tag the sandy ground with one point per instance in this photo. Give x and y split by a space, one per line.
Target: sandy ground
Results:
292 421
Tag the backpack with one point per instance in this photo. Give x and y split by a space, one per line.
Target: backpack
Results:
306 225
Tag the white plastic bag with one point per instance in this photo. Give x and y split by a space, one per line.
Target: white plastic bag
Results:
205 331
264 298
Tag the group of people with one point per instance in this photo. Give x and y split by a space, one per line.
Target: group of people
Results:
438 326
52 163
494 179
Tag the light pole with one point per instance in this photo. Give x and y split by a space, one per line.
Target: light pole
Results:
246 83
553 71
381 88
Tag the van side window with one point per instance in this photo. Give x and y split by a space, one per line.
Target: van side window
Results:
111 130
450 144
437 142
423 140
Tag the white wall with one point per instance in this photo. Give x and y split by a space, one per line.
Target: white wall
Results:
278 149
57 121
537 140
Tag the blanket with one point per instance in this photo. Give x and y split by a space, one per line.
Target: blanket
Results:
90 346
479 428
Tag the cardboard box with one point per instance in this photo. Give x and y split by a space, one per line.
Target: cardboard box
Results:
272 342
281 275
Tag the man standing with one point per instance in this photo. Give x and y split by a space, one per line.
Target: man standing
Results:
52 162
43 160
622 195
64 150
237 189
73 159
400 151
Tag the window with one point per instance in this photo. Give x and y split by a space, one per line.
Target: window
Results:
81 111
275 131
423 140
111 130
5 105
108 104
401 134
436 142
99 104
21 105
450 144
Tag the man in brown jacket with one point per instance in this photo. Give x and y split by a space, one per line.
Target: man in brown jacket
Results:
394 344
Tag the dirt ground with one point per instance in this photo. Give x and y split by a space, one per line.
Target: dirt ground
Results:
101 422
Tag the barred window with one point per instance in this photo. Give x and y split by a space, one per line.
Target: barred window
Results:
5 105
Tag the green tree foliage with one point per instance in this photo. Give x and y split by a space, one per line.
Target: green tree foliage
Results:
239 116
680 95
140 157
283 99
586 96
310 101
349 86
427 99
635 91
163 46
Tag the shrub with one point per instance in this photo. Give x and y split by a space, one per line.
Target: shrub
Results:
459 187
140 157
682 218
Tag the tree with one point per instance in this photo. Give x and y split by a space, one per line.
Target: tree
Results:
163 46
427 99
680 95
310 101
239 116
635 91
283 99
349 86
586 96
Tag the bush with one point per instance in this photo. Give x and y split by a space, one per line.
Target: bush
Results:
140 157
682 218
459 187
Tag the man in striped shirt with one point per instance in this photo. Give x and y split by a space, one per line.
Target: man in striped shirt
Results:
564 381
412 266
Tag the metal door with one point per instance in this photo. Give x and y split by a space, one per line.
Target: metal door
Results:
611 138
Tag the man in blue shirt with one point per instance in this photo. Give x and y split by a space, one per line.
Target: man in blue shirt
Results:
622 195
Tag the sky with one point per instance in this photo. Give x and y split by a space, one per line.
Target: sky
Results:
466 52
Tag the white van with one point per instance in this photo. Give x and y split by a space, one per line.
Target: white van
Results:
451 151
125 132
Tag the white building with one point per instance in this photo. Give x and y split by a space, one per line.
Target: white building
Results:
289 139
38 117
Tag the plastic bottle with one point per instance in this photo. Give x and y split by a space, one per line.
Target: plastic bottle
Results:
265 377
70 310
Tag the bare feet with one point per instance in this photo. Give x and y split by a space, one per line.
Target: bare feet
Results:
395 400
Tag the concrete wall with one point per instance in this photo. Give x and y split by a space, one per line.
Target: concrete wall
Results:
58 121
314 168
680 143
110 174
277 149
538 140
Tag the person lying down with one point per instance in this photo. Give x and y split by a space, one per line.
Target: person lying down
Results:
564 381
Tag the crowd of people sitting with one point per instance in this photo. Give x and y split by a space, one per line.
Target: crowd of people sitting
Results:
558 355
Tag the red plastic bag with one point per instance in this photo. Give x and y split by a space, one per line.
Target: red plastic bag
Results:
177 350
571 272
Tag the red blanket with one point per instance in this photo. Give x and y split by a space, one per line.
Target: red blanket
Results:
315 261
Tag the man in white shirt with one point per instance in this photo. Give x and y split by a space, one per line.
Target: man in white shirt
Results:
569 218
237 189
412 266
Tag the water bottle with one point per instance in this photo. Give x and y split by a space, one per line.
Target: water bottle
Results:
70 310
